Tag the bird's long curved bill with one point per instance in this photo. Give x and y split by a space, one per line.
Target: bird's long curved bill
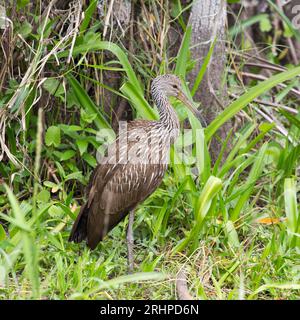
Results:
186 101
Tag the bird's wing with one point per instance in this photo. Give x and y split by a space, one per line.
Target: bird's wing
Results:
117 156
98 180
129 185
116 186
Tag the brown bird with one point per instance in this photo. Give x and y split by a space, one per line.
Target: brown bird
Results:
134 168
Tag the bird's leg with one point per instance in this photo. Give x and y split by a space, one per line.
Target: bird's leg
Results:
129 239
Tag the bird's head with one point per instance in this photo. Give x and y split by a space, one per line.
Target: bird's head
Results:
171 86
168 84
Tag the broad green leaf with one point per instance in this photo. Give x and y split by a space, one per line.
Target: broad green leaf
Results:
54 87
43 196
74 176
90 160
66 155
265 24
22 3
55 211
52 136
82 146
87 117
241 26
25 29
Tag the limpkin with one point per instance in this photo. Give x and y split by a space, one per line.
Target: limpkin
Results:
119 184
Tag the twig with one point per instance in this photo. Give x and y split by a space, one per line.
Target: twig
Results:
264 66
77 23
271 120
268 103
256 58
106 24
261 77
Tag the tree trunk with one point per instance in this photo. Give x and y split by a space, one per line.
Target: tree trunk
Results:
208 21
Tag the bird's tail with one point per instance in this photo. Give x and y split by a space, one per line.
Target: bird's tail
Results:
79 229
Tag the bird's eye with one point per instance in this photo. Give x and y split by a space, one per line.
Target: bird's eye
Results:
175 86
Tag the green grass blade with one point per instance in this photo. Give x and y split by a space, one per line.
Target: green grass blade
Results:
37 161
88 14
290 200
130 278
264 128
220 156
159 220
203 68
133 89
281 286
292 119
253 176
87 103
246 98
229 165
210 190
115 49
183 187
240 27
183 54
290 161
15 222
29 247
139 102
203 159
232 235
241 141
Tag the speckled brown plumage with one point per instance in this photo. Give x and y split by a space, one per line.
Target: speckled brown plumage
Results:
118 185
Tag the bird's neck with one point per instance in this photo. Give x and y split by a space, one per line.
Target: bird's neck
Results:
167 114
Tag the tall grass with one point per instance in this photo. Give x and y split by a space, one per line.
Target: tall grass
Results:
30 248
292 213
